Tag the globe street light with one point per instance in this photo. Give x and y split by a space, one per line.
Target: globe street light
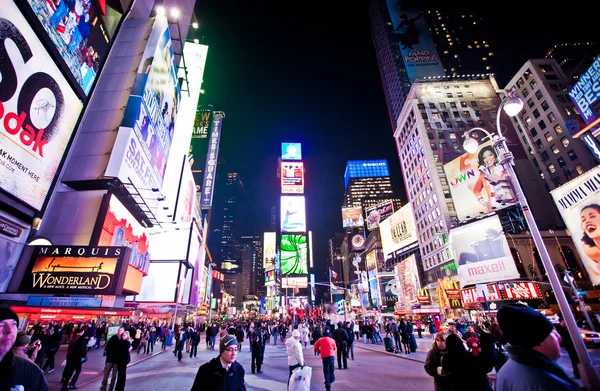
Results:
512 105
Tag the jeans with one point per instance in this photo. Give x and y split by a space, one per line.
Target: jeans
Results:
150 348
121 377
213 340
50 359
350 350
274 338
328 371
292 367
73 366
193 350
342 357
108 367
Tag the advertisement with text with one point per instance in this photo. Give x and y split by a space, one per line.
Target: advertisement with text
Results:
292 177
478 183
38 111
376 214
407 275
399 230
291 151
578 202
352 217
482 253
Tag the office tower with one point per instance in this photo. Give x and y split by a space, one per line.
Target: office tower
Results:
574 58
367 183
253 271
543 87
429 136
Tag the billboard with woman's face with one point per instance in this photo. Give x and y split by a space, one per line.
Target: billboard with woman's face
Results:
478 183
579 204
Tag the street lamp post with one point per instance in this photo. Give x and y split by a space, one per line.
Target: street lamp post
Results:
512 105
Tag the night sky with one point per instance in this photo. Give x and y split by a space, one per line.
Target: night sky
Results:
306 72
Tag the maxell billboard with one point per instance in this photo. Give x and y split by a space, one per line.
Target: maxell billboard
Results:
38 111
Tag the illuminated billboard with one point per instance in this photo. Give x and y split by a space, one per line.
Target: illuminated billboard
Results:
76 269
294 282
184 209
358 240
79 34
270 277
292 177
378 213
146 131
231 266
199 145
585 94
293 250
352 217
407 275
291 151
419 54
482 253
293 214
399 230
38 111
270 248
578 202
478 183
365 169
210 171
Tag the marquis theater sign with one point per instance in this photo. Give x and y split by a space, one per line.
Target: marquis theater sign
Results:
73 269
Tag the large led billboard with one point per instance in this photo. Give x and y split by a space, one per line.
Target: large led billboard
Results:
293 214
399 230
481 252
270 248
365 169
294 282
378 213
353 217
79 34
199 145
292 177
293 249
419 54
38 111
144 140
291 151
586 93
478 183
186 201
579 204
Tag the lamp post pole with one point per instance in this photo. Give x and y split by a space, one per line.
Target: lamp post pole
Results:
589 377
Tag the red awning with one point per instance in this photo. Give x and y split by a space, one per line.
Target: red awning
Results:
70 311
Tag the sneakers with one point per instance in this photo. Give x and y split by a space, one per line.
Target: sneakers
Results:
259 372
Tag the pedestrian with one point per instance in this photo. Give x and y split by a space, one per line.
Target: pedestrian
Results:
143 341
239 335
341 340
257 350
53 345
213 336
533 350
462 370
412 342
304 335
151 340
112 360
350 347
433 363
16 373
294 351
124 347
404 336
315 336
326 347
183 337
396 333
23 347
222 373
567 343
76 356
208 334
419 327
275 332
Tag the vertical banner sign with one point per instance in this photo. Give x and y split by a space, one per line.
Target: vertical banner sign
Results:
144 140
199 145
210 171
579 204
38 111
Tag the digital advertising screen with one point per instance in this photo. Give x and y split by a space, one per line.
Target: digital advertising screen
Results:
407 275
399 230
352 217
291 151
77 30
585 94
270 277
478 183
482 253
292 177
294 282
293 249
199 145
578 202
187 196
270 248
293 214
38 111
160 283
389 288
378 213
358 240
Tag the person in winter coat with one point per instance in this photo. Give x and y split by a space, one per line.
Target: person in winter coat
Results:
533 349
76 353
53 345
326 347
350 347
341 340
222 373
304 335
404 336
123 358
257 343
316 334
239 335
433 362
463 371
294 351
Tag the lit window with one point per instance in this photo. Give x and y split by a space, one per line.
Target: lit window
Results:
487 67
558 129
565 141
548 136
555 149
484 58
551 168
579 169
490 53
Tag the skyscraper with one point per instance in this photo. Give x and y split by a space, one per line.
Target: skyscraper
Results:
253 271
367 183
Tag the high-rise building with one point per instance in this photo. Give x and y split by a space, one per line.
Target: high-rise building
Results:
253 271
367 183
543 87
428 135
574 58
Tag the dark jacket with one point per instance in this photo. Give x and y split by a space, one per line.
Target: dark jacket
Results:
527 369
350 335
432 362
111 352
122 348
212 377
340 336
77 349
465 372
256 338
16 370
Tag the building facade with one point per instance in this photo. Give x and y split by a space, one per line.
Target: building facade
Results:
367 182
543 87
252 268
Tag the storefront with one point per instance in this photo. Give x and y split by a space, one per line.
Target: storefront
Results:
33 315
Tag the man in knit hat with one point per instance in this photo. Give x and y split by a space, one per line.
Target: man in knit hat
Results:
533 348
222 372
16 372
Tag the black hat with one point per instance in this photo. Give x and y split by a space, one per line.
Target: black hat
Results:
7 313
523 326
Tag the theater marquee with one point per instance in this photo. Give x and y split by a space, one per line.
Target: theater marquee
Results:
77 270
